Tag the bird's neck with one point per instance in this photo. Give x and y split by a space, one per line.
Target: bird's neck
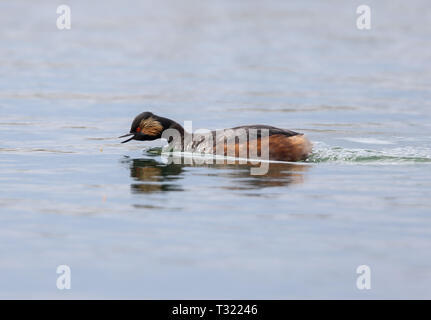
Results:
176 126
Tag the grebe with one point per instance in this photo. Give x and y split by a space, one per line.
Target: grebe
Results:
282 145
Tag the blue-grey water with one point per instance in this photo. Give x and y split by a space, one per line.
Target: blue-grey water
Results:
130 226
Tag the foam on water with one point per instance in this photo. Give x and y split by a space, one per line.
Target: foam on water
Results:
368 141
323 152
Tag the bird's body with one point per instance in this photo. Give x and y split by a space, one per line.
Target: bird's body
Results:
244 141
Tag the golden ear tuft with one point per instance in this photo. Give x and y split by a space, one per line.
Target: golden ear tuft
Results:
150 126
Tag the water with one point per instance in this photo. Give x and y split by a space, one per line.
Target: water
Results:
131 226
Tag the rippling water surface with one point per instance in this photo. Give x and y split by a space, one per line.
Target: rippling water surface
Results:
130 225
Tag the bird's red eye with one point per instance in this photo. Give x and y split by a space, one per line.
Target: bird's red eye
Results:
138 129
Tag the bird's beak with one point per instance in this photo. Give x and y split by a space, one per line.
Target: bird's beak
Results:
127 135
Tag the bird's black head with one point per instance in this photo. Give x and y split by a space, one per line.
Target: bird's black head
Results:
147 126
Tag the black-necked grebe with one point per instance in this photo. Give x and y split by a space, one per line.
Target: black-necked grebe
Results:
282 145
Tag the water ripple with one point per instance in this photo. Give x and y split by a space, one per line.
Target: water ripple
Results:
402 155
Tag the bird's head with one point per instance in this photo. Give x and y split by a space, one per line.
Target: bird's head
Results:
146 126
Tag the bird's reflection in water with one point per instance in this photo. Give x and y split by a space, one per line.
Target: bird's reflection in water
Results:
152 175
278 175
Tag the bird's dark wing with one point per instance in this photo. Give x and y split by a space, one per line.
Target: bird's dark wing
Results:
272 130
